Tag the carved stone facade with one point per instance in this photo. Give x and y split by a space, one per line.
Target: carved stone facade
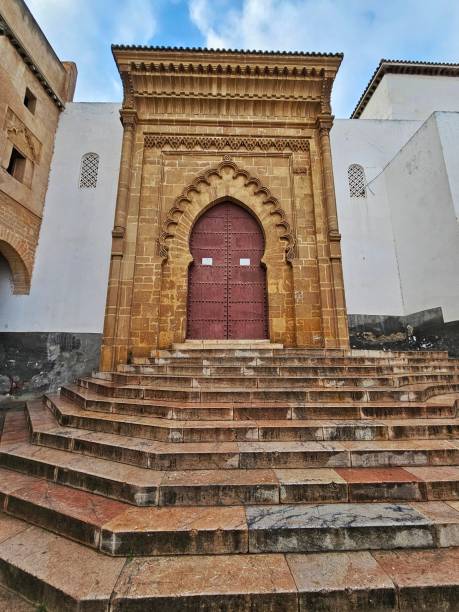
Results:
205 126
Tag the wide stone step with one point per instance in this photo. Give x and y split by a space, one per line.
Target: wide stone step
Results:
222 350
235 455
144 487
169 430
418 392
251 381
442 406
116 528
35 563
286 370
301 360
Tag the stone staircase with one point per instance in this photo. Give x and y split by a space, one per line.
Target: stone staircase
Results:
238 478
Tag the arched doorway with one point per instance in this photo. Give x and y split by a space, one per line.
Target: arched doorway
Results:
227 281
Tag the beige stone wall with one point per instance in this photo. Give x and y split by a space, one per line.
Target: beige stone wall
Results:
175 166
31 132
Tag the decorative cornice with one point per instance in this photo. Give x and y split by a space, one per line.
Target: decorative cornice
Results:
164 81
187 50
184 199
220 143
5 30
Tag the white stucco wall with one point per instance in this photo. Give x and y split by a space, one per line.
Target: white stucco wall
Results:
412 97
69 281
424 221
448 129
370 269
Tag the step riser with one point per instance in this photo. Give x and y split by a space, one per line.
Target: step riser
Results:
250 382
235 494
178 369
271 395
261 413
236 540
363 431
249 460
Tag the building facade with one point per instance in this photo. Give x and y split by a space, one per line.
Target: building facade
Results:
236 147
34 86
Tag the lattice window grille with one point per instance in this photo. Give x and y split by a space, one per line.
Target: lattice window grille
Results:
89 171
357 181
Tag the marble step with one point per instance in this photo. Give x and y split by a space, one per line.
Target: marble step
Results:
442 406
116 528
419 392
241 351
169 430
238 455
219 381
35 563
144 487
283 360
286 370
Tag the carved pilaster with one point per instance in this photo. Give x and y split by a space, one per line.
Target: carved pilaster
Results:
324 124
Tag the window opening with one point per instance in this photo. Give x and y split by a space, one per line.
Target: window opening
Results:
357 182
89 171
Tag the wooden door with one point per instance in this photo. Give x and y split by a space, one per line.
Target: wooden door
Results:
227 282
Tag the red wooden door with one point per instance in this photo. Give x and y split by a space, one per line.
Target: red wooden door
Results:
227 283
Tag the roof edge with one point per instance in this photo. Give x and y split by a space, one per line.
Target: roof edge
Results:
387 66
157 48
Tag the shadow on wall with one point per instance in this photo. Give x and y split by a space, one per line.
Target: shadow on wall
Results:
33 363
424 330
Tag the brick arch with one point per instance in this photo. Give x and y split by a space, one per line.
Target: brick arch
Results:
226 181
11 250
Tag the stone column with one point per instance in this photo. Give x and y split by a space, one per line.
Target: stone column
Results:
129 121
338 303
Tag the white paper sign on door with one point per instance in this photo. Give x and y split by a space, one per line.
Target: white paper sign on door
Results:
207 261
244 262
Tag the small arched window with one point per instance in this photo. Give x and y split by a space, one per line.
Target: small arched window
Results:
357 181
88 171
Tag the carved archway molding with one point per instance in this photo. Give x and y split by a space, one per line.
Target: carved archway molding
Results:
202 183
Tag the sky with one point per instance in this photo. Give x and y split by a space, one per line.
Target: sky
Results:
364 30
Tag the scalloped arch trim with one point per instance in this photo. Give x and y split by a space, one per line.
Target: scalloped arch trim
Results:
185 198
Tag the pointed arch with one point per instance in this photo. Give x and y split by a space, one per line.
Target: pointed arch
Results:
228 179
20 275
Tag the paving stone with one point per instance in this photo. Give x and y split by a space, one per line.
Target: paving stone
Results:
312 485
10 526
292 454
382 484
426 580
328 527
170 530
246 583
76 514
445 519
61 574
440 482
348 582
219 487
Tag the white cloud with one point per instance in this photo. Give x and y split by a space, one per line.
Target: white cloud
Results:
82 31
365 30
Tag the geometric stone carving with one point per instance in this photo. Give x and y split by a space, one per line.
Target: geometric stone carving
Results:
202 182
220 143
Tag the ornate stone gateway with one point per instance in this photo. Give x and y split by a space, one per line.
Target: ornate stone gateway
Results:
227 281
250 129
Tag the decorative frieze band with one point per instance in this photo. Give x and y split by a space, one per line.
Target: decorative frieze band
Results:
235 143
